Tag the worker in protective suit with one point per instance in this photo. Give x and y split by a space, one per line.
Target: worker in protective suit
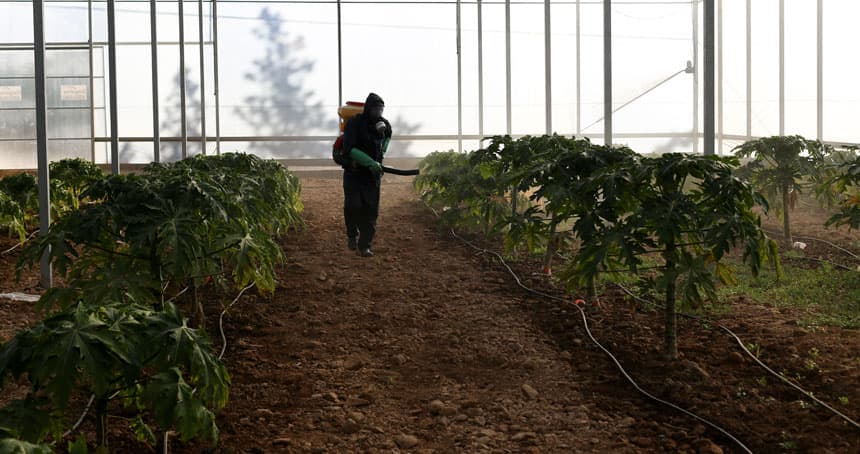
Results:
366 139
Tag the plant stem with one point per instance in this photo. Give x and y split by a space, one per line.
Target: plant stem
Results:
671 340
101 424
550 247
786 206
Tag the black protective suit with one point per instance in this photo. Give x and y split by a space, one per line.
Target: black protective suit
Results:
361 185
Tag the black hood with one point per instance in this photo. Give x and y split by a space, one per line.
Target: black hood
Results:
372 100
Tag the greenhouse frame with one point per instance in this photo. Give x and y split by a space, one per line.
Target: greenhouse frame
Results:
90 80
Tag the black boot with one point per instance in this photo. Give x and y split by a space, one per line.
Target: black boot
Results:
352 243
365 252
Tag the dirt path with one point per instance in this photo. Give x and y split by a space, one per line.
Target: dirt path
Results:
417 347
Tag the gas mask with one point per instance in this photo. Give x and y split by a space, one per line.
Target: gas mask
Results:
380 128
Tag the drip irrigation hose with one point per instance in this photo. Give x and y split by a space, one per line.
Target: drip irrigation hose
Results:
7 251
750 354
810 238
813 259
221 319
606 351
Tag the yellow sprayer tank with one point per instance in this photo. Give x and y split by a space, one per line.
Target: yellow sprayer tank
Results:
348 111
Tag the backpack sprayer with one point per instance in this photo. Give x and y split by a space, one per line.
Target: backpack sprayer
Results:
348 111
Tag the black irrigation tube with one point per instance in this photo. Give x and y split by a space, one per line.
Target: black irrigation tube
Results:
606 351
749 353
813 259
810 238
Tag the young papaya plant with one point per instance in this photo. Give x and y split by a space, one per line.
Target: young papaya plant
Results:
691 211
69 179
781 167
467 196
847 183
150 361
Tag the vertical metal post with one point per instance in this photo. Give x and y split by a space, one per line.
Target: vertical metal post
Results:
719 88
114 110
42 135
459 84
696 73
749 69
508 65
215 69
202 79
480 71
819 101
782 67
709 77
339 58
578 72
182 123
92 89
548 64
607 72
153 36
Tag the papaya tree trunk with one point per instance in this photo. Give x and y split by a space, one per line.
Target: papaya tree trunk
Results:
514 198
198 307
101 424
671 336
786 207
550 246
591 295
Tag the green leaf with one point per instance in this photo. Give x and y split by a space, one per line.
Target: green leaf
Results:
79 446
174 405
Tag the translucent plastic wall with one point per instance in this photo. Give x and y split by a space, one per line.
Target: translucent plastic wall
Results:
450 73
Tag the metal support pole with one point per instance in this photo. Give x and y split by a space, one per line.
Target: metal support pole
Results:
182 123
709 19
42 136
339 58
696 74
820 72
782 67
607 72
153 33
719 87
749 69
459 84
215 69
480 71
92 89
114 109
548 64
202 79
508 65
578 72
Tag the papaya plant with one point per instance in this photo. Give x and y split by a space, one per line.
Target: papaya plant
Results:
781 167
847 183
69 179
467 196
690 211
175 222
150 361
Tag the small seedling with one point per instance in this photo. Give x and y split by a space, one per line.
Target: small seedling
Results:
754 348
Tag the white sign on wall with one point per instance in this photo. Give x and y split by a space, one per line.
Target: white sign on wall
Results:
73 92
10 93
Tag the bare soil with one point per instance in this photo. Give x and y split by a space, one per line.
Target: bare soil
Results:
430 347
